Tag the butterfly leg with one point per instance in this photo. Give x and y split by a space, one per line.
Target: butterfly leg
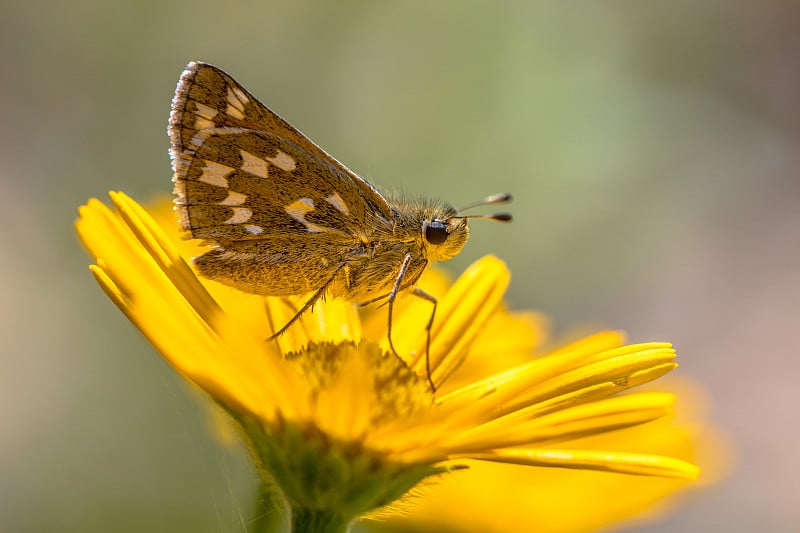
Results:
390 300
309 303
398 285
425 296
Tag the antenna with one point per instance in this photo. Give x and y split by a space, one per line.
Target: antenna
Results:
500 198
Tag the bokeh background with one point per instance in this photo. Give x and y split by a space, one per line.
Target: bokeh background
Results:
653 149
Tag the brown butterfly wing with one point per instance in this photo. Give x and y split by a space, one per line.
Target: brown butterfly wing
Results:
242 173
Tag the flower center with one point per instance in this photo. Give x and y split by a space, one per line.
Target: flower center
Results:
392 389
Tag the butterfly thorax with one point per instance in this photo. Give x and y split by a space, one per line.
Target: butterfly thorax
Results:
372 271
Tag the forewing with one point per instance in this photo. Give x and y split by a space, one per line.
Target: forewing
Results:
242 172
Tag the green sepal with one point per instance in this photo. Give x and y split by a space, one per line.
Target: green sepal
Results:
326 485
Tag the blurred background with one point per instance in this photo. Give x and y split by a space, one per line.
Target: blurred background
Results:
653 150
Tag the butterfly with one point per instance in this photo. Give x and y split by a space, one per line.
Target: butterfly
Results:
285 218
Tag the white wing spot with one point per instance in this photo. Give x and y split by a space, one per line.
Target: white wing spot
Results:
298 211
336 201
255 230
201 123
202 110
240 216
234 198
241 96
215 174
254 164
236 99
283 161
234 112
203 135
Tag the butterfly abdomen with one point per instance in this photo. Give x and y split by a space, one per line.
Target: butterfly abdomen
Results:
252 268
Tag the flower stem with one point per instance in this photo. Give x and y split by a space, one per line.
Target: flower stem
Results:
270 515
318 521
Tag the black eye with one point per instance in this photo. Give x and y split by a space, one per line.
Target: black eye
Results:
436 232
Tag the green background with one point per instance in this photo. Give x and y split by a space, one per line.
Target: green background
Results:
652 149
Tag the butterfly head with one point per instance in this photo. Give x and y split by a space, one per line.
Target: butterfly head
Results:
445 234
446 231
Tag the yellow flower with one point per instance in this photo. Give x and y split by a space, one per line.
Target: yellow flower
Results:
336 421
502 498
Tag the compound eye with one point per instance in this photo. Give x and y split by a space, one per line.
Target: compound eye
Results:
436 232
